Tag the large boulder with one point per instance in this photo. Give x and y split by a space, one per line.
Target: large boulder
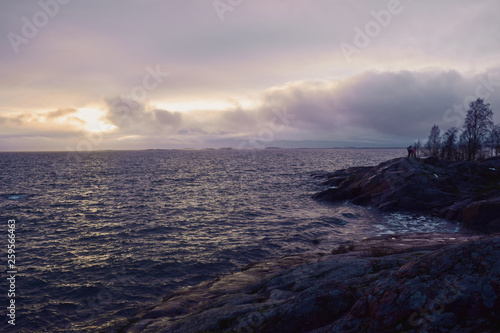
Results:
483 213
464 191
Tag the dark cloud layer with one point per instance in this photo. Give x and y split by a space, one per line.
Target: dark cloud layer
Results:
372 108
402 104
380 107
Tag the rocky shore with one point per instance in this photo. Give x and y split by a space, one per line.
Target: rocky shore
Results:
397 283
468 192
414 283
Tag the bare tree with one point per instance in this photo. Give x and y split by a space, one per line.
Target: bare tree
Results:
495 140
433 142
449 144
462 147
478 124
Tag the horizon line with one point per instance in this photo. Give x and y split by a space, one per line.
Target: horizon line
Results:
205 148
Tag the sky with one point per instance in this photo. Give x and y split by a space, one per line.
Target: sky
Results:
138 74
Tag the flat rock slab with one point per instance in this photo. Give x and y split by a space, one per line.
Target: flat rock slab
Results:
414 282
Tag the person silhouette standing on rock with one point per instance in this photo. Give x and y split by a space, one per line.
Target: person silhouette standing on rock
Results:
410 151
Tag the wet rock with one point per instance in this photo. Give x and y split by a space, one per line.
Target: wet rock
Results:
463 191
415 283
341 249
483 213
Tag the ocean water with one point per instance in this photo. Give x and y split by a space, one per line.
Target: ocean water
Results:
101 235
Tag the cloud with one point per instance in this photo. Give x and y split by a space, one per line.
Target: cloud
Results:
384 107
397 104
39 119
60 113
374 108
40 131
169 119
87 52
133 117
418 70
17 120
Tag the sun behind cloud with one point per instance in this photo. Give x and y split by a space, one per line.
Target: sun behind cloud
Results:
94 120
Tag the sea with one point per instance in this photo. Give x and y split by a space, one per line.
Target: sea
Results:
99 236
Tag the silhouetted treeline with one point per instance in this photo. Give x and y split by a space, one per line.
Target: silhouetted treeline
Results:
477 139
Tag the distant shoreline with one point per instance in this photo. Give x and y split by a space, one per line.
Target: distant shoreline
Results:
199 149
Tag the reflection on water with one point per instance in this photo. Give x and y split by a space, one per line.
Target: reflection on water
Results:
106 233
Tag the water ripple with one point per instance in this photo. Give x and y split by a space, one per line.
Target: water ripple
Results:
103 237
